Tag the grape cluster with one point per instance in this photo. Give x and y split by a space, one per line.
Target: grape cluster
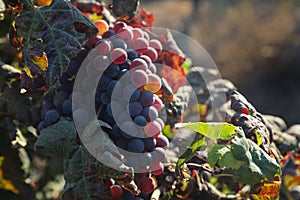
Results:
127 99
55 106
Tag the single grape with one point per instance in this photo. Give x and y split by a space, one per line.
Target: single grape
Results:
150 113
139 78
132 54
82 55
157 168
118 56
100 63
105 98
118 43
137 33
67 107
135 145
146 98
108 34
135 108
91 42
118 25
82 116
135 95
111 86
147 59
52 116
161 122
59 98
152 129
154 83
149 143
139 63
101 25
146 35
158 154
104 46
156 45
116 192
125 34
108 110
140 120
104 81
146 185
158 104
151 53
162 141
152 68
140 45
43 124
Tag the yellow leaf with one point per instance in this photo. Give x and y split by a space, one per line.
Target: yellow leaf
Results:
41 61
6 184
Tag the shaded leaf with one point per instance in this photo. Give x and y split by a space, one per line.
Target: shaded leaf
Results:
191 150
51 30
211 130
58 139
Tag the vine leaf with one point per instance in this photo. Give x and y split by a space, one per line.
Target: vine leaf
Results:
250 164
211 130
58 30
125 8
4 183
195 146
58 139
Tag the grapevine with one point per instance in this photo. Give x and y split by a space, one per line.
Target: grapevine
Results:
99 91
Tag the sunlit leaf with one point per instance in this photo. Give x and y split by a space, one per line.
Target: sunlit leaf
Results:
211 130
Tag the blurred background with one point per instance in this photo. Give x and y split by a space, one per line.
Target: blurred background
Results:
255 44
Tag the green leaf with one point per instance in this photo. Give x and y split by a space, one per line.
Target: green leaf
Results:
189 153
216 152
58 139
59 30
213 131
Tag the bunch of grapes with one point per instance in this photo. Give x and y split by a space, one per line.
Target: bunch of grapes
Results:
126 99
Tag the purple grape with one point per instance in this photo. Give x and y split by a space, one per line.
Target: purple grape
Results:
52 116
146 98
136 145
135 108
140 120
162 141
150 113
150 143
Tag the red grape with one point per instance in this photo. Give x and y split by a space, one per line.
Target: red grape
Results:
116 192
152 53
147 185
118 56
152 129
139 78
139 63
156 45
140 45
103 46
102 26
125 34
